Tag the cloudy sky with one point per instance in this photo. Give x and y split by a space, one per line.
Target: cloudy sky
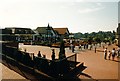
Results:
77 15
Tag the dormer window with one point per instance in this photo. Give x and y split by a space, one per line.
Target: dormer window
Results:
13 31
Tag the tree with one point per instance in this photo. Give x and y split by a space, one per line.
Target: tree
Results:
79 35
86 35
90 40
97 39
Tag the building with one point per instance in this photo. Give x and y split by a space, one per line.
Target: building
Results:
118 34
51 34
17 34
62 32
46 34
5 34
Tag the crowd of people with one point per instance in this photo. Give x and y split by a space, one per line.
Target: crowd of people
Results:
82 47
111 54
108 54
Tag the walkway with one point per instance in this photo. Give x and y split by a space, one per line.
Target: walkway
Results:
9 74
97 67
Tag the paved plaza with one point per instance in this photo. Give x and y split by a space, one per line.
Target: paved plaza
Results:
97 66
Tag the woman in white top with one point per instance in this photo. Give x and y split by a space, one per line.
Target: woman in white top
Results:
113 53
105 53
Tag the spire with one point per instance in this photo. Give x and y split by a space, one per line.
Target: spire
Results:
48 25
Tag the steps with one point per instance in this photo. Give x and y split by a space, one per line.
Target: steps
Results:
76 71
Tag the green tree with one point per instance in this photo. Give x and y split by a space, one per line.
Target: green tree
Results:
90 40
86 35
97 39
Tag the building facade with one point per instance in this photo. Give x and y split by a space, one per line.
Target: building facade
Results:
51 34
45 34
17 34
118 34
62 32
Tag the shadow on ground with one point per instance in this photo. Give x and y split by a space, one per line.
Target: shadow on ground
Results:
34 75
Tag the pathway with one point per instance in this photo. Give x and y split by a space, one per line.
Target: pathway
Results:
97 67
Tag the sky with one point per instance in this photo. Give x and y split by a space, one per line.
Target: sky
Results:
77 15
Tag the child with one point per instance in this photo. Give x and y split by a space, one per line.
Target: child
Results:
113 53
109 55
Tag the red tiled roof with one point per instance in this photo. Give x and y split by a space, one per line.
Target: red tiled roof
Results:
61 30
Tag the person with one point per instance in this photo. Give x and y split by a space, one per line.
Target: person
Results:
103 46
80 47
39 54
72 48
95 49
90 46
53 54
109 55
25 50
84 46
87 45
105 53
44 56
113 53
118 53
